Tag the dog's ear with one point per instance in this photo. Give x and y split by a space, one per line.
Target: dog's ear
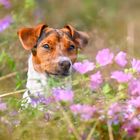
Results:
80 38
28 36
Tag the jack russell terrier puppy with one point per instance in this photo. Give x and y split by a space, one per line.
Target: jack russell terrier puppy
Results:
53 51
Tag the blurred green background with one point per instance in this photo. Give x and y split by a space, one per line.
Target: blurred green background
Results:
110 23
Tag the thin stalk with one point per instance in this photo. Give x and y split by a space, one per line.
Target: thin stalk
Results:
138 136
91 131
10 75
14 92
69 122
110 131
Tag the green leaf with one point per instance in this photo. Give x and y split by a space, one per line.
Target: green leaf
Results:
107 88
29 3
122 86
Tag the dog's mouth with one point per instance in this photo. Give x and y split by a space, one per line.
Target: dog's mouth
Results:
61 74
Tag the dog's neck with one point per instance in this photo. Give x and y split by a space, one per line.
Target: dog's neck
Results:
35 81
38 82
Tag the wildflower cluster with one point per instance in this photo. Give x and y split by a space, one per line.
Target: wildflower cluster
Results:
122 84
106 93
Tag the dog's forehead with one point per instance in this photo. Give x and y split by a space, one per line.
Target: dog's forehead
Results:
54 33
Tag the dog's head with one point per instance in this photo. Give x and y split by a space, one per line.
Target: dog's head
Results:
53 50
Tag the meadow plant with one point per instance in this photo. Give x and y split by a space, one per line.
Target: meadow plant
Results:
5 3
7 20
103 104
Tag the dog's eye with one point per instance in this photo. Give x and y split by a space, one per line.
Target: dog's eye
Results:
71 47
46 46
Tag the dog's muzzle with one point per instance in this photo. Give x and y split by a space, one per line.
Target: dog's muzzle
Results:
64 67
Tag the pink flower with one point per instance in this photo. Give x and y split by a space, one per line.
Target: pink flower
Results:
84 67
76 108
136 64
131 126
104 57
63 95
96 80
121 59
6 3
134 88
85 111
113 112
5 23
120 76
135 102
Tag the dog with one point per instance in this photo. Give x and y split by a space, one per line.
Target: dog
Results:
53 52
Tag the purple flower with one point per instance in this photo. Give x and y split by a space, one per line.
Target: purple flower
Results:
104 57
84 67
135 64
96 80
134 88
6 3
3 106
63 95
35 101
131 126
76 108
5 23
113 112
121 59
128 113
13 113
135 102
47 100
16 122
85 111
120 76
41 99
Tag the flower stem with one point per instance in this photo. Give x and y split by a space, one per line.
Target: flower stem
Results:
69 122
138 136
110 131
91 131
11 93
10 75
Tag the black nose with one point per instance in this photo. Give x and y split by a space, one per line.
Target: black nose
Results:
65 65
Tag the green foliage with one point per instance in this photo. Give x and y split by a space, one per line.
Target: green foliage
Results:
6 59
29 4
19 81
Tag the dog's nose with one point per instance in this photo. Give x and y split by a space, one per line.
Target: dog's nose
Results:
65 65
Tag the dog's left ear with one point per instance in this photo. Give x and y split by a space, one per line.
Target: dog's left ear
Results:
80 38
29 36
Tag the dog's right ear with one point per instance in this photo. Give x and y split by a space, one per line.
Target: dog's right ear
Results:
80 38
29 36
